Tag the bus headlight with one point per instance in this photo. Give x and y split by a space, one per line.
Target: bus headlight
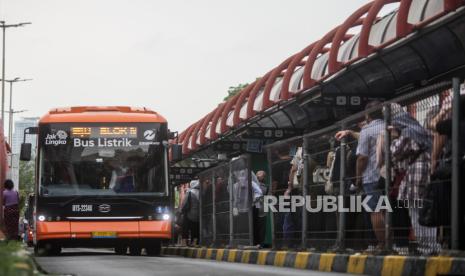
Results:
41 218
166 216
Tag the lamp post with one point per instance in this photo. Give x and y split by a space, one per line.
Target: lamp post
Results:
10 120
10 130
4 27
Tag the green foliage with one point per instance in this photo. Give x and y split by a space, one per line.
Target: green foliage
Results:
26 181
14 260
26 175
233 90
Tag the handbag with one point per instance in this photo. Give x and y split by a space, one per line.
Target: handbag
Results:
436 208
436 200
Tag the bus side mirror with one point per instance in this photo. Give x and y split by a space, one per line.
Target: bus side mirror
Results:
172 135
26 151
176 152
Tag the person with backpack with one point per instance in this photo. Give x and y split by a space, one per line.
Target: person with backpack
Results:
190 212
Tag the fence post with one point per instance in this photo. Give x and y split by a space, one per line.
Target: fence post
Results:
455 191
342 174
172 208
304 193
387 163
231 218
200 212
213 206
250 203
270 170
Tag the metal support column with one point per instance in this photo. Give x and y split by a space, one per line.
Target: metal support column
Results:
305 181
231 217
200 212
456 213
213 206
250 203
387 163
342 215
270 170
172 205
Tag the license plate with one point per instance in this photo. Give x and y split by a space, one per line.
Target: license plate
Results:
103 235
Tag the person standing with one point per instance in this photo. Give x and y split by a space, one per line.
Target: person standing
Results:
367 172
258 211
190 210
292 222
11 210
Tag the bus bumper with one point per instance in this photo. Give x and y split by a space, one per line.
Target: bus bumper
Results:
47 230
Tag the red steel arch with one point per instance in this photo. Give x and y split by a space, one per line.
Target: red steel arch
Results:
193 142
296 61
270 82
307 80
185 148
243 95
364 49
365 16
213 134
183 135
353 20
224 117
403 27
203 129
259 83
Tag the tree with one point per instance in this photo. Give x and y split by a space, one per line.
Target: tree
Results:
26 181
233 90
26 176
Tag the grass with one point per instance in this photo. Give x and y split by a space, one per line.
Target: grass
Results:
15 260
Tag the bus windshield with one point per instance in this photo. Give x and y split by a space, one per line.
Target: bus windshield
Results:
102 159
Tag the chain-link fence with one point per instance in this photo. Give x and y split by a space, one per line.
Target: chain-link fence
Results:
206 208
222 198
226 204
242 197
378 181
286 179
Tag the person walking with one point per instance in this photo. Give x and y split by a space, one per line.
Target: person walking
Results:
11 210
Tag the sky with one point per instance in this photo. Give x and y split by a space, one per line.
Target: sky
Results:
177 57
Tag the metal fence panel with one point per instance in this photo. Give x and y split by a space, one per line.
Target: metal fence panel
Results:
287 226
240 189
322 159
206 208
221 195
398 153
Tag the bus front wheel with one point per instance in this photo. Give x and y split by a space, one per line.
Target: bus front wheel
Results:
135 250
47 249
154 248
121 250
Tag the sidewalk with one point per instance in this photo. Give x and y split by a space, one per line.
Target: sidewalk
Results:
330 262
15 260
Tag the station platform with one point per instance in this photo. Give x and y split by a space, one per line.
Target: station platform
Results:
391 265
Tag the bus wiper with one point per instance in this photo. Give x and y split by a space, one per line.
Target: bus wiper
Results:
70 200
139 200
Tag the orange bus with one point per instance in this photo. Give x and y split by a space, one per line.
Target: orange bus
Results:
101 179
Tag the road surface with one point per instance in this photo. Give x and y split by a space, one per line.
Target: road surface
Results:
91 262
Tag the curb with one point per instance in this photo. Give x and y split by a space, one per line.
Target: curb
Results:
330 262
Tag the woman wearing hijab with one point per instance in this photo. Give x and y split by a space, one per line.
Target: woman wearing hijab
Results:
11 211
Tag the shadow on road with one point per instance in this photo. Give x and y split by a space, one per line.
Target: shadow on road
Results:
74 252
